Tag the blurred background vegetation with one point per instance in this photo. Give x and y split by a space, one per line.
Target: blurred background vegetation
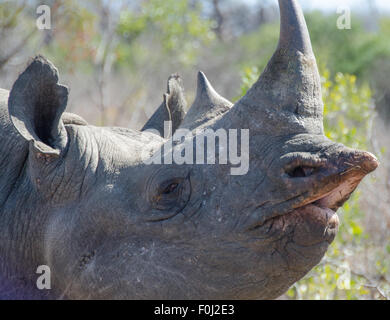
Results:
117 55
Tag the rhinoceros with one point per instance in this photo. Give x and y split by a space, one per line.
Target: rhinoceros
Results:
82 200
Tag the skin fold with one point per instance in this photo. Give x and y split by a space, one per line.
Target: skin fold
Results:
81 200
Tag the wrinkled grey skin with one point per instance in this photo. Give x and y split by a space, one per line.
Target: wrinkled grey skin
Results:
79 199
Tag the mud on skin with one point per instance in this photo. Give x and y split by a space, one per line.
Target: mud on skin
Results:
78 198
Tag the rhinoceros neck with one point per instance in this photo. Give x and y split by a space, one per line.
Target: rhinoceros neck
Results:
13 151
22 224
15 221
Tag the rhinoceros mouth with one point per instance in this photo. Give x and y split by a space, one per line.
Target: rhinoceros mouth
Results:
319 213
314 217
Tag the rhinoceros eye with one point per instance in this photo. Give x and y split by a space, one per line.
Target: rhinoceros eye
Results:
172 194
171 188
167 192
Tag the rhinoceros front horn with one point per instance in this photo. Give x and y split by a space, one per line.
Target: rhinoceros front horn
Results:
289 89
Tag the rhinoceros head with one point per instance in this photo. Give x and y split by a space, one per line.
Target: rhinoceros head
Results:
120 218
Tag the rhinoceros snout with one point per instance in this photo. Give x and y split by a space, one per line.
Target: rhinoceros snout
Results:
360 161
328 180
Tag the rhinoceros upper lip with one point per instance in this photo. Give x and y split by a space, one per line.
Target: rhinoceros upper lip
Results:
335 198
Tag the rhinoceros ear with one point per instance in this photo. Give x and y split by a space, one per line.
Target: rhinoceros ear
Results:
36 104
172 108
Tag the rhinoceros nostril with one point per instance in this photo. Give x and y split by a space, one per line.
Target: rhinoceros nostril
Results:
300 171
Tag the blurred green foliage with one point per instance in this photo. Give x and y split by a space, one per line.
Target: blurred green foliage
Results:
353 51
75 47
178 27
347 109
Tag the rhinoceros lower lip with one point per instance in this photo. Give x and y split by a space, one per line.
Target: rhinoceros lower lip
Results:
323 215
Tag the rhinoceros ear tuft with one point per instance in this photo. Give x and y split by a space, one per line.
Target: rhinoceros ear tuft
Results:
36 104
71 118
172 108
208 104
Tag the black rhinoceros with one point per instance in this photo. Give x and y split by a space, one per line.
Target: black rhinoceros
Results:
83 201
